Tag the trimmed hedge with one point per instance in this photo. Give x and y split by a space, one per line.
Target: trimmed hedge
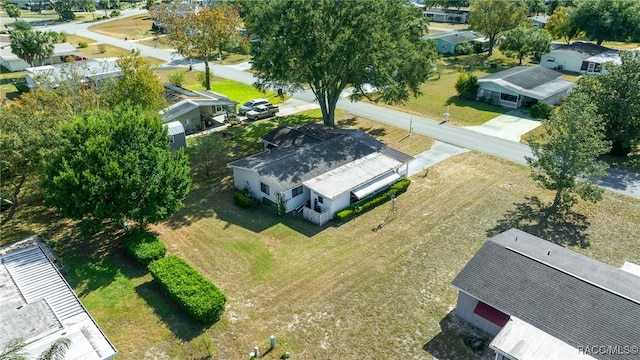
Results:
144 246
541 110
243 200
364 205
198 296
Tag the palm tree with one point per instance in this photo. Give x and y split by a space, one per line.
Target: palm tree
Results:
15 350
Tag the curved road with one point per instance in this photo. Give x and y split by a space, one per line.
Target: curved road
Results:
619 181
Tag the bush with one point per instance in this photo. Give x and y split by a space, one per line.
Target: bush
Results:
144 246
243 200
176 78
464 48
115 13
82 44
467 85
199 297
22 87
541 110
21 25
478 47
364 205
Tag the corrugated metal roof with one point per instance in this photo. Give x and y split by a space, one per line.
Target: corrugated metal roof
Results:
38 279
572 297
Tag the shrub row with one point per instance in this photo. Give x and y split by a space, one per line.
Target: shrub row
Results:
243 200
541 110
144 246
198 296
364 205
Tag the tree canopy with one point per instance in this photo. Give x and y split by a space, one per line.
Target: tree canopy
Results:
565 158
492 18
201 33
613 20
616 95
13 11
560 25
31 45
113 166
329 45
525 40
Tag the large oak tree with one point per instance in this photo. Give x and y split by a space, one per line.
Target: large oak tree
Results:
329 45
492 18
613 20
114 166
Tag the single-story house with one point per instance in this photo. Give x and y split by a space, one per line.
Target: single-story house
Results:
38 306
539 20
196 110
319 169
539 300
524 85
447 15
447 42
178 136
12 62
580 57
87 73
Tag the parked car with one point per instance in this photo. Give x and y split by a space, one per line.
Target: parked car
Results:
251 104
80 58
262 112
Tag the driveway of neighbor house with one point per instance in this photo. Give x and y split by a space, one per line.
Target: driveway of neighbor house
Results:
510 126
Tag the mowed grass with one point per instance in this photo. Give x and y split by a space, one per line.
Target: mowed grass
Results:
134 27
337 291
95 49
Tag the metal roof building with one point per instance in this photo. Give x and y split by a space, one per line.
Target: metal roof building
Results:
38 306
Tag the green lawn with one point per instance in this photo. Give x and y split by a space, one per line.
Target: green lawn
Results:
324 292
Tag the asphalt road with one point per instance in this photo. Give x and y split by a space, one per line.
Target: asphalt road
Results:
619 181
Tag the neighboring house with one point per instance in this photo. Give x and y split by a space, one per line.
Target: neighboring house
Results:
87 73
542 301
12 62
580 57
540 21
524 86
319 169
197 110
178 136
447 15
447 42
38 306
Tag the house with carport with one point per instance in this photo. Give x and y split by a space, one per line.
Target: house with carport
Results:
196 110
12 62
580 57
539 300
319 170
447 42
524 86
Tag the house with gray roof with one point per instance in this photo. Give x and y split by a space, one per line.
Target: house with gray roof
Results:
319 169
447 42
38 307
539 300
580 57
524 86
447 15
197 110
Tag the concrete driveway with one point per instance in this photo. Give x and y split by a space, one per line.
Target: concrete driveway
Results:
509 126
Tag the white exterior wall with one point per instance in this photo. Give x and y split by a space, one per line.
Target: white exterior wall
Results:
294 202
568 63
243 178
340 202
464 310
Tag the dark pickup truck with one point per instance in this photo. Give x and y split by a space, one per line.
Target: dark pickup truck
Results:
262 112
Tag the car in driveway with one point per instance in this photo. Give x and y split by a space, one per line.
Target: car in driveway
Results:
262 112
251 105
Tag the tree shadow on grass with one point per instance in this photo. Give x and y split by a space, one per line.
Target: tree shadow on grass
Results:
180 323
564 227
449 342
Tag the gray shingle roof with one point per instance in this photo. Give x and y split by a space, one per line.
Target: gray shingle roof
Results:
457 37
577 299
526 77
304 156
581 50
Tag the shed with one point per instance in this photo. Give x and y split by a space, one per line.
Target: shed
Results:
197 110
178 136
524 85
542 301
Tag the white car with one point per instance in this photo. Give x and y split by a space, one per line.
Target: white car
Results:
251 104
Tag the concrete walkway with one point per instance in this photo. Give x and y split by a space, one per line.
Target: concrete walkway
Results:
439 152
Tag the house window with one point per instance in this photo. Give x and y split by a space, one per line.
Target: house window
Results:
173 139
320 200
551 59
264 188
296 191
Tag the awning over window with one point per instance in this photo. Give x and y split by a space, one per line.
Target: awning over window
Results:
375 185
495 316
